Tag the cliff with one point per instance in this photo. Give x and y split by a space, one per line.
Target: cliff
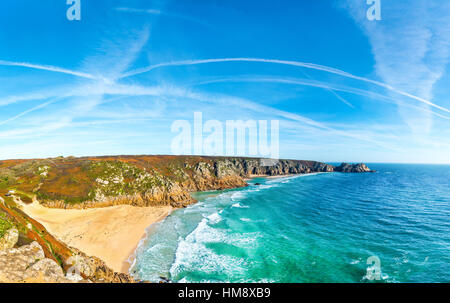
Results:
139 180
28 253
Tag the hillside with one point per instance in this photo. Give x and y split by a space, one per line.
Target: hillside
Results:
96 182
135 180
29 253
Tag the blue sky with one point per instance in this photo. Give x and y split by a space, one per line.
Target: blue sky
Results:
343 88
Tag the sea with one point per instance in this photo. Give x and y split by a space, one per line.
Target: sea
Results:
389 226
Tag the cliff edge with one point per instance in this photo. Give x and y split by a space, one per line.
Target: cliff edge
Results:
140 180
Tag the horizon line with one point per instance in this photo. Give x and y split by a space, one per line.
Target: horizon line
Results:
219 156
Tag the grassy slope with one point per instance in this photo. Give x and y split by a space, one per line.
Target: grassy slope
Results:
31 230
74 180
5 224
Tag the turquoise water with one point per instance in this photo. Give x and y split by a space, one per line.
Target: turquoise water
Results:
310 228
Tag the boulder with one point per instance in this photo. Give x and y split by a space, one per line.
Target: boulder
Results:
10 239
47 269
28 264
15 261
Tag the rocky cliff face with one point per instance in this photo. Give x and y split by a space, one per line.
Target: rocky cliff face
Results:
28 253
150 187
28 263
141 180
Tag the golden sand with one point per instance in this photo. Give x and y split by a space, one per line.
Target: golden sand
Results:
111 233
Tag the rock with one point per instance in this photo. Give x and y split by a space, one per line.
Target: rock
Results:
47 269
352 168
10 239
28 264
15 261
94 269
74 277
164 280
79 265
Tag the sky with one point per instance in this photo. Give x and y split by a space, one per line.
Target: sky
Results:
343 87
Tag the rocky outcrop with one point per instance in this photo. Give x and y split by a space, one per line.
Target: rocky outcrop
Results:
353 168
9 239
94 269
31 254
29 264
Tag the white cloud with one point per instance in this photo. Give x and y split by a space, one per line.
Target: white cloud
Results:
411 46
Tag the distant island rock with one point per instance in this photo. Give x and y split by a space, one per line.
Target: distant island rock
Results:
353 168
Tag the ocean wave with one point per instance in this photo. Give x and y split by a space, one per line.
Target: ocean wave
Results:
132 259
237 196
214 218
343 216
193 255
239 205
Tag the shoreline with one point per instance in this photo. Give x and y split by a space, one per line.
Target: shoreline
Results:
112 233
131 260
251 177
111 220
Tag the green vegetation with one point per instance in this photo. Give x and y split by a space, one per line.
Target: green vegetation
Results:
5 224
7 178
76 180
9 201
115 178
24 197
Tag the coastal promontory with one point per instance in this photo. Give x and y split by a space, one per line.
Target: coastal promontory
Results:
61 214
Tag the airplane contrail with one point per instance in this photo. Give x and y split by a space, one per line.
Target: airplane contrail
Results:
30 110
48 68
284 62
351 90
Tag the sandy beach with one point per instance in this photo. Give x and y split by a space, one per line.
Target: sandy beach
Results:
111 233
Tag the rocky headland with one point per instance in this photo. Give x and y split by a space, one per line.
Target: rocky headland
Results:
141 180
29 252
